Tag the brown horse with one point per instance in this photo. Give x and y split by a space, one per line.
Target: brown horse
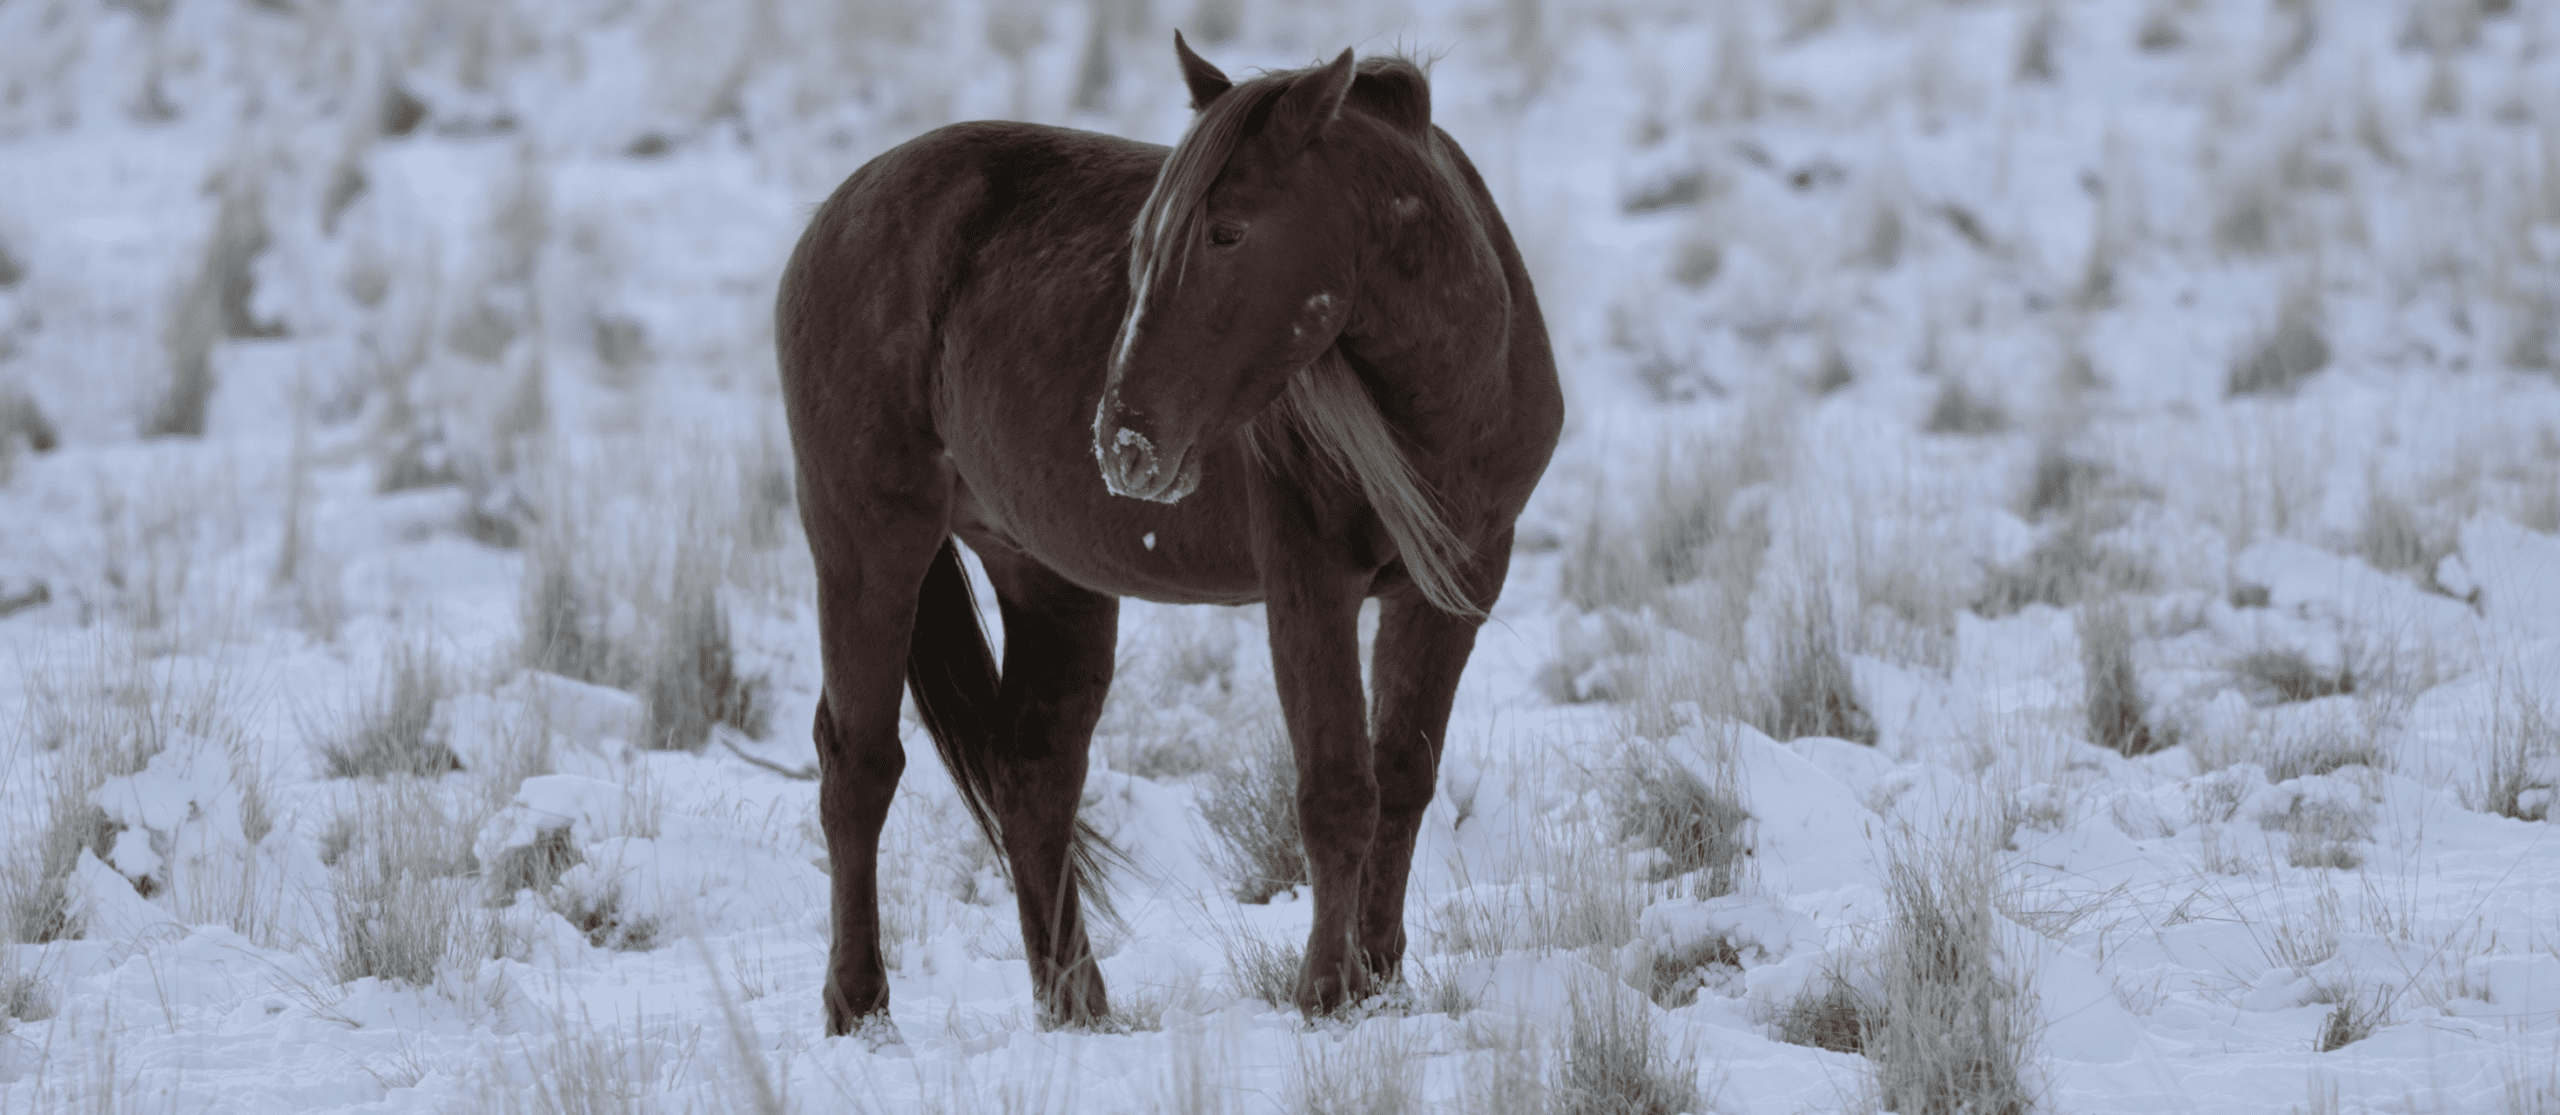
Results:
1307 359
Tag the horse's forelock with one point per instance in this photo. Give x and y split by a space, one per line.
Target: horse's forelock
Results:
1175 207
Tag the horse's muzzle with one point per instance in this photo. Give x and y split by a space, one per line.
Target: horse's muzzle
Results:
1131 467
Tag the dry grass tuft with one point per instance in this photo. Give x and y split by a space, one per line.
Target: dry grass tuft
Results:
214 304
401 887
677 655
1687 530
1698 827
533 866
2392 538
1375 1074
1175 704
1679 974
2118 713
2320 835
2293 351
131 709
2069 566
2063 483
1959 410
2353 1018
21 423
1251 807
1831 1015
24 997
1811 692
1614 1065
2523 775
599 915
1263 970
2301 753
2284 676
1949 1036
390 733
692 672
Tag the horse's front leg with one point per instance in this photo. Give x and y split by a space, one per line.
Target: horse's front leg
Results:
1420 652
1313 593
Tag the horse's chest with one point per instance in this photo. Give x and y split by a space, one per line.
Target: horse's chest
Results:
1194 552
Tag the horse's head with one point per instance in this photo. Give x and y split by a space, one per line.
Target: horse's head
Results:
1241 270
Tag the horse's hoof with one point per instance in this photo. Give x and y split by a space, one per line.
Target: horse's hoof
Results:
843 1018
1326 995
880 1036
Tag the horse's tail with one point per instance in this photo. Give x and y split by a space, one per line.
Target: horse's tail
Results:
953 676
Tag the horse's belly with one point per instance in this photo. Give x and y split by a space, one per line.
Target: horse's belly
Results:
1192 552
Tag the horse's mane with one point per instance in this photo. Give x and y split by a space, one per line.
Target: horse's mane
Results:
1325 403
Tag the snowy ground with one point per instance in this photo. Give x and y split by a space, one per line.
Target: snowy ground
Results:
2187 360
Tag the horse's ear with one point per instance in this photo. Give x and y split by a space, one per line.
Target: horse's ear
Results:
1311 103
1204 79
1399 95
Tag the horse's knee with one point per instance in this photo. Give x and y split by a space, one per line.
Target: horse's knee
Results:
857 778
1344 809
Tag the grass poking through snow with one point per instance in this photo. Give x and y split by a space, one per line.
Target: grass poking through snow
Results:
390 735
1697 826
1950 1034
1614 1064
402 896
2118 714
1251 807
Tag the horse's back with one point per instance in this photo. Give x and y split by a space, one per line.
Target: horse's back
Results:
891 248
905 242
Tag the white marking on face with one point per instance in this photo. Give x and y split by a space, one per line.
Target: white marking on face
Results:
1149 541
1129 324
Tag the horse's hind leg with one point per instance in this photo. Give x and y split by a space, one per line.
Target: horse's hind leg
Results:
1059 640
871 558
1420 652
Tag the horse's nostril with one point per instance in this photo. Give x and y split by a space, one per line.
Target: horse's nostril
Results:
1131 456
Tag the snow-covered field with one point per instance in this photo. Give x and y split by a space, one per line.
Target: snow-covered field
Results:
2118 440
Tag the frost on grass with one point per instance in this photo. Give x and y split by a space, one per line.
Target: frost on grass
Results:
2299 752
2320 834
2353 1017
673 649
1251 808
1677 975
1614 1064
1373 1074
2281 675
2070 565
1689 526
1263 970
599 915
2523 771
2293 350
22 422
400 886
1697 827
1176 700
390 734
1963 411
108 724
1950 1034
2118 714
2395 539
1811 692
1828 1014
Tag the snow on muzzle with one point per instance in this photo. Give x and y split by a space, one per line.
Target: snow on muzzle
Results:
1131 466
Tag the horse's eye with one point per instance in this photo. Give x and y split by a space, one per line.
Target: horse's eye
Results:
1225 234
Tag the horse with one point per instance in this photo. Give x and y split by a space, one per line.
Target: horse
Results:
1294 359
